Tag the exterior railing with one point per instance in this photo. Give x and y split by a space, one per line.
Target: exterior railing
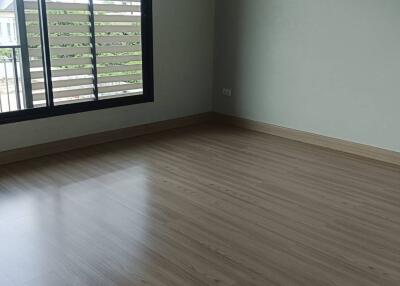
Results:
10 89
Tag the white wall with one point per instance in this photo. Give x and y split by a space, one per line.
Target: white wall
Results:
330 67
183 71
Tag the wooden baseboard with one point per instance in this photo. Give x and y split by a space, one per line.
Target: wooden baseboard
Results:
367 151
36 151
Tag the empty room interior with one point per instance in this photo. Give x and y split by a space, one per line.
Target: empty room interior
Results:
199 142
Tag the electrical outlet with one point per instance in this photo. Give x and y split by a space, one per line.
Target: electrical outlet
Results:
227 92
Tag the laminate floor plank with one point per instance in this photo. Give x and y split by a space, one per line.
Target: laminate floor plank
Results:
203 205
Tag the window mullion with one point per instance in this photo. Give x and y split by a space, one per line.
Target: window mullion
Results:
147 48
25 65
45 45
93 50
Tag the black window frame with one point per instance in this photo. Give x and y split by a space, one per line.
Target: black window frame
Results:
71 108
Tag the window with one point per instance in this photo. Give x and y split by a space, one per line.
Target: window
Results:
75 56
9 30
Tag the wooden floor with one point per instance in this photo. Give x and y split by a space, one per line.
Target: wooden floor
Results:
200 206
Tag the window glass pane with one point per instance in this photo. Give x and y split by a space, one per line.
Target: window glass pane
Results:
13 96
118 45
35 53
70 50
